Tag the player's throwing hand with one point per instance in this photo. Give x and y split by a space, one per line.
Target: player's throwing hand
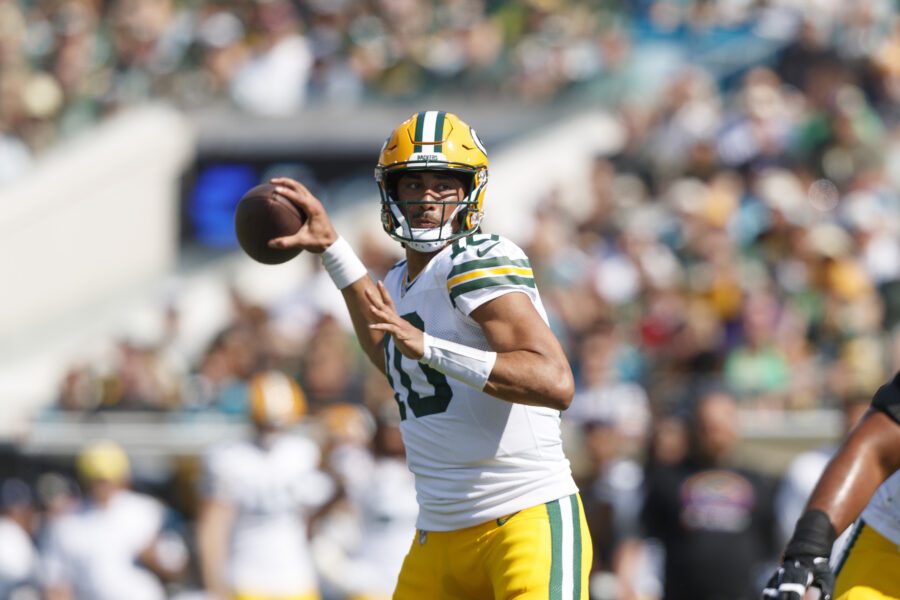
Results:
317 233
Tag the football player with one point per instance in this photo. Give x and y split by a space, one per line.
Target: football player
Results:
115 544
257 497
459 330
869 568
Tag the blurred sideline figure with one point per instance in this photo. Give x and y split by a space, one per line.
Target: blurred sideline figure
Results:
715 519
612 494
18 556
461 333
109 548
257 497
851 487
361 554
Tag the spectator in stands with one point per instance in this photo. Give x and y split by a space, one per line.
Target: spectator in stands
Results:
19 562
715 520
223 372
756 369
330 367
272 83
257 497
110 547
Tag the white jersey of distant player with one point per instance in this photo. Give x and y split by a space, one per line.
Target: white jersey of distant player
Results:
94 551
475 457
270 488
883 510
382 490
18 558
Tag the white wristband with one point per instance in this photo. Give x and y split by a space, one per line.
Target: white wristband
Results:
342 264
469 365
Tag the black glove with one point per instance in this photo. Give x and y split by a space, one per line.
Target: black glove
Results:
805 562
796 575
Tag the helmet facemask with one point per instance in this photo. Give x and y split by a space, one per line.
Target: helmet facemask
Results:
459 218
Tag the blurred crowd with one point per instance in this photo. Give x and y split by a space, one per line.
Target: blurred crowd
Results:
67 63
741 250
303 507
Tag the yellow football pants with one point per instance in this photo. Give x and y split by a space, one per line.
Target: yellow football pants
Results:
543 552
871 568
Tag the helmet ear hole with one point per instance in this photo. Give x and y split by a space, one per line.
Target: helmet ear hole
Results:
390 184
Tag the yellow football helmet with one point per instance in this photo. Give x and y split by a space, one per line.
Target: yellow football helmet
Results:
276 400
103 460
432 140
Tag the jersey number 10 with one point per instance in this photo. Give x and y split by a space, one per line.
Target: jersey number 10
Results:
421 406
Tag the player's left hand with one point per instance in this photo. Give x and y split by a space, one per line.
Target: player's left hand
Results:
408 338
795 577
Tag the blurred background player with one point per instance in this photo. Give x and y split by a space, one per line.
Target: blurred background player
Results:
110 546
715 519
18 555
478 374
257 497
860 481
361 555
612 494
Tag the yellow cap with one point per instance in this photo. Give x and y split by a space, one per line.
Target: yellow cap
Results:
103 461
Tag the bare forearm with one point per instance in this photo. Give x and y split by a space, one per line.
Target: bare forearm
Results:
526 377
212 542
358 305
868 457
57 593
212 561
165 570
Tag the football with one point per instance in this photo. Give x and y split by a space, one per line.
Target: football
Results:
261 216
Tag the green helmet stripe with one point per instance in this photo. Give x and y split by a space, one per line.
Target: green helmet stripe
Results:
439 131
420 126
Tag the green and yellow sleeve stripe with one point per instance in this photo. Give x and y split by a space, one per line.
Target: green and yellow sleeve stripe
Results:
488 272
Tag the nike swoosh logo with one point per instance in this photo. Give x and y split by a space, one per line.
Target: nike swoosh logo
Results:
482 251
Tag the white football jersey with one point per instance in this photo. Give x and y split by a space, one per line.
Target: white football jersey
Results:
883 510
18 558
270 488
475 457
94 550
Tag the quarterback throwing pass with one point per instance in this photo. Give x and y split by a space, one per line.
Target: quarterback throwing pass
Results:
459 330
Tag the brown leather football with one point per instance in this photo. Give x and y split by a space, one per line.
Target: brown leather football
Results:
261 216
